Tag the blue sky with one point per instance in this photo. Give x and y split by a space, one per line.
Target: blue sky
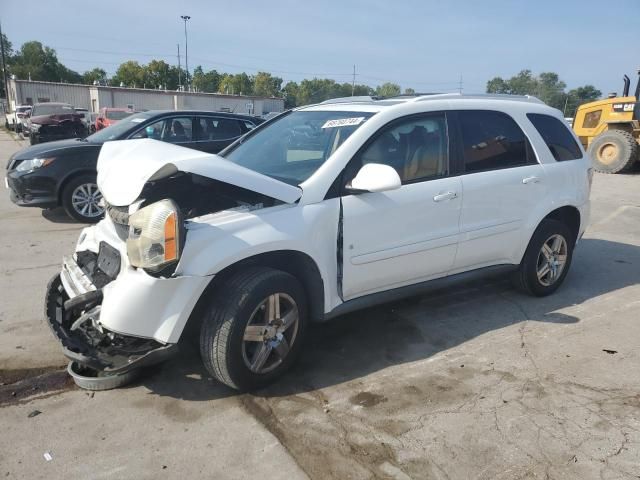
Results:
426 45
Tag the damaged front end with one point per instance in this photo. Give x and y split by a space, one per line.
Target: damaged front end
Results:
123 299
75 320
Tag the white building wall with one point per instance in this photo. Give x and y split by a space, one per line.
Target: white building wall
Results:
38 92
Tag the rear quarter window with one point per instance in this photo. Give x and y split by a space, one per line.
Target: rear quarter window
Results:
557 136
492 140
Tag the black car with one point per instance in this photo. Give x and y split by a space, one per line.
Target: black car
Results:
64 172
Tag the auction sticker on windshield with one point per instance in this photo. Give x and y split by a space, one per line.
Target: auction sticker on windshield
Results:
343 122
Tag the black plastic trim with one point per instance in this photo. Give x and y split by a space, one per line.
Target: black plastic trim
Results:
392 295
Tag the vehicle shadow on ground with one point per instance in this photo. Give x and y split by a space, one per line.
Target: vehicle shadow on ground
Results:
57 215
355 345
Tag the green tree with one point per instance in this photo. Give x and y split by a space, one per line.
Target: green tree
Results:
388 90
290 93
547 87
550 89
497 85
578 96
238 84
96 74
129 74
8 52
157 74
266 85
205 81
409 91
363 90
524 83
40 63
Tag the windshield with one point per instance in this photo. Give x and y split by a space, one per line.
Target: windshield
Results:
51 110
292 148
115 131
22 109
116 114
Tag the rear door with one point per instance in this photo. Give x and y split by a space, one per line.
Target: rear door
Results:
214 133
408 235
502 182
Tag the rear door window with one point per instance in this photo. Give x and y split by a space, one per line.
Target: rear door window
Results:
217 128
557 136
492 140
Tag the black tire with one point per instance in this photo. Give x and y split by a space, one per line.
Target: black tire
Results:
33 140
225 320
526 278
613 151
67 200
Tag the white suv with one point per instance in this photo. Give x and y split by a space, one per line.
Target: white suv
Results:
320 211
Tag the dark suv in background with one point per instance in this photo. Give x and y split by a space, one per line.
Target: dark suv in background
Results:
54 121
63 173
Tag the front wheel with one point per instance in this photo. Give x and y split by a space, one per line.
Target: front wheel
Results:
81 199
546 262
254 328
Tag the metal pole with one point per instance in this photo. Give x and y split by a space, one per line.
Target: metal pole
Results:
186 48
179 70
4 68
353 82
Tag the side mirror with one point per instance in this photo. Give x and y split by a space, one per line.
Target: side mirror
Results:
375 177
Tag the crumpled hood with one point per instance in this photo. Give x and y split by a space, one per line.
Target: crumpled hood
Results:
125 166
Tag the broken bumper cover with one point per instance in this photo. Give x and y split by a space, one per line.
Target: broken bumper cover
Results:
75 323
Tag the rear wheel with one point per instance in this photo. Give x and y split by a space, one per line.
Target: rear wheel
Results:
546 262
614 151
254 327
81 199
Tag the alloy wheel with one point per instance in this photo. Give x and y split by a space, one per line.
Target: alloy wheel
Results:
85 200
270 333
551 260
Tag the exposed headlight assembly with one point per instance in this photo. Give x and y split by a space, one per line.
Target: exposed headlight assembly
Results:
155 236
32 164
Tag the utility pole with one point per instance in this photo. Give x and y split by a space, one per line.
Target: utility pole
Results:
4 68
179 70
186 48
353 82
460 85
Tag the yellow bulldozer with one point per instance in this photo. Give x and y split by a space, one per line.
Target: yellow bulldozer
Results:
610 130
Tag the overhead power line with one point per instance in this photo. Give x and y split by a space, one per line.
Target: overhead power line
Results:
207 62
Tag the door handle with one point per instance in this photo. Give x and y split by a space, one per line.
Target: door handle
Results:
445 196
531 180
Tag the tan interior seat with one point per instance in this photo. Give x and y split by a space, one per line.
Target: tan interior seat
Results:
427 160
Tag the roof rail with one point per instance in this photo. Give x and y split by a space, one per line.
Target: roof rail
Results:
481 96
359 99
421 97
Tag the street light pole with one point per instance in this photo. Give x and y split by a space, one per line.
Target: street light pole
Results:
186 48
